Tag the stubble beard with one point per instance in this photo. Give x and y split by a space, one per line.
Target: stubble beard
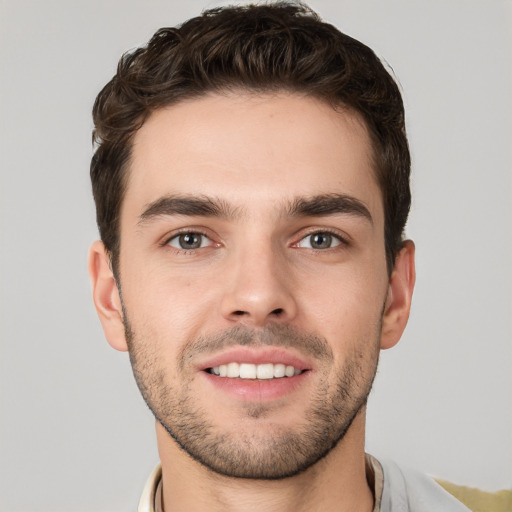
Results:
276 451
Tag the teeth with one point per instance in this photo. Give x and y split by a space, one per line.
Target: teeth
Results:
279 370
255 371
265 371
233 370
247 371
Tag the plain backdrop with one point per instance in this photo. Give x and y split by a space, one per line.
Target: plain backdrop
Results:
75 434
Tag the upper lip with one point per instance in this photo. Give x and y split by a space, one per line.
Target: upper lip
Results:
274 355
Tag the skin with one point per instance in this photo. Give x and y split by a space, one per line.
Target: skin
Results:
255 269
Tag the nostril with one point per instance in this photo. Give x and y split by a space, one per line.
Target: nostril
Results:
277 312
239 313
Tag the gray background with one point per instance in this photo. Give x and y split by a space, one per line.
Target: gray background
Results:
75 435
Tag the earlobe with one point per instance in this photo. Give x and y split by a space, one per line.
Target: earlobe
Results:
106 296
398 301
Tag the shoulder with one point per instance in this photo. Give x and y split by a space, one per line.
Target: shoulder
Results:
408 490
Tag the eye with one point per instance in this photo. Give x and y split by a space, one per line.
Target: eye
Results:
188 241
320 240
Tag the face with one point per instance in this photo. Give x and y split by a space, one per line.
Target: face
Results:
255 295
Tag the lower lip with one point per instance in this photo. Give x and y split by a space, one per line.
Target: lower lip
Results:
254 390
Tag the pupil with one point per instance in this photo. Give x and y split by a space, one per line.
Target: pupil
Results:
190 241
321 241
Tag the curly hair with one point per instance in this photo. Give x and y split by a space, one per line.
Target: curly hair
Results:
262 48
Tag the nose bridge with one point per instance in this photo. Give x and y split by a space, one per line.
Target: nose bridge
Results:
259 284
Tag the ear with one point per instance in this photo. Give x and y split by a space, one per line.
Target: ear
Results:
106 296
398 301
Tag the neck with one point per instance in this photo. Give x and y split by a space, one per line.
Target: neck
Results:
335 483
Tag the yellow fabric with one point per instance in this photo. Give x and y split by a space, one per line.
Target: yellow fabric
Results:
480 501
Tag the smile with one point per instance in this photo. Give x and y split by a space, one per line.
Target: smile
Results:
263 371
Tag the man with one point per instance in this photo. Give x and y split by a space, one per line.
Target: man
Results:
251 181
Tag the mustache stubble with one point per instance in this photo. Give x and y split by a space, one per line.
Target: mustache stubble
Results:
271 335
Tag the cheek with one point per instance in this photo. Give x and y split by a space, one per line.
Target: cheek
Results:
344 299
170 305
347 311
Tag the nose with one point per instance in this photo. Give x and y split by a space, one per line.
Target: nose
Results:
258 288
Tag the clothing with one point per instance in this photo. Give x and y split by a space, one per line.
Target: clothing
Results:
407 490
395 489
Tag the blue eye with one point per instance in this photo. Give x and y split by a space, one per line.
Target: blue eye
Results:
319 240
188 241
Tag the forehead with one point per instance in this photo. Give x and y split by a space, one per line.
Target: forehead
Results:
251 149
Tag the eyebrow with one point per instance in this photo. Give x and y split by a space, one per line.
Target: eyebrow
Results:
205 206
200 206
328 204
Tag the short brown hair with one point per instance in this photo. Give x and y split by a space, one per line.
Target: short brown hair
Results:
261 48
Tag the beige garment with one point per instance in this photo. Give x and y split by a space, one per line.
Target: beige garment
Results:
151 499
152 490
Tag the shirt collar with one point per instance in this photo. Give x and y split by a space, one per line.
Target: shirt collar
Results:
147 500
151 498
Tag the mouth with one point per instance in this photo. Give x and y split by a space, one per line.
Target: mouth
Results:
256 375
